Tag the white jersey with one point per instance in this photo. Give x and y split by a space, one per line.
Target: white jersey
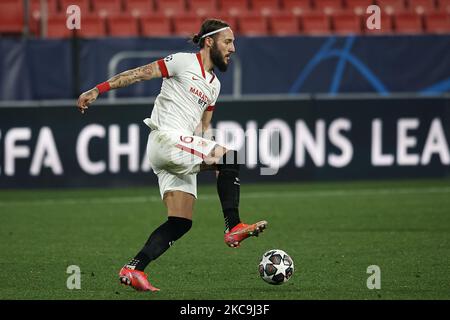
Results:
186 92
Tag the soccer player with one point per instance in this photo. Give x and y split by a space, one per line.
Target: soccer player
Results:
177 146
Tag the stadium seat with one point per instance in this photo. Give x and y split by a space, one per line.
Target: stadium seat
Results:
391 6
84 5
92 26
346 23
444 6
358 6
410 23
56 27
138 8
52 9
234 7
284 24
253 25
156 26
186 25
328 6
105 8
171 7
123 25
422 6
265 7
203 8
11 16
297 7
315 24
437 22
231 20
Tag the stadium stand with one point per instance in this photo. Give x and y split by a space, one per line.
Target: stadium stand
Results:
265 7
297 7
248 17
285 24
155 26
139 7
170 7
437 22
328 6
407 22
315 24
252 25
123 25
11 17
234 7
203 8
346 22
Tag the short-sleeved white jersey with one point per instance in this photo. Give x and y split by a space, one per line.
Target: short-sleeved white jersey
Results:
186 92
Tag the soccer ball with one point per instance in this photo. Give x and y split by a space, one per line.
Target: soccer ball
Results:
276 267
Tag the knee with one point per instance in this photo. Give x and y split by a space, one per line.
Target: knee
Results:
180 226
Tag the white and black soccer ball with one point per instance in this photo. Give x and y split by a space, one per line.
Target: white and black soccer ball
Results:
276 267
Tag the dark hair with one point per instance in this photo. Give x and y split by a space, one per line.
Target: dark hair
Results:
208 26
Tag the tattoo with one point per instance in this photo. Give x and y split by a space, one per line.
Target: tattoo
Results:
128 77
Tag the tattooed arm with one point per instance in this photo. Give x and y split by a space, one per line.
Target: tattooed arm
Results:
124 79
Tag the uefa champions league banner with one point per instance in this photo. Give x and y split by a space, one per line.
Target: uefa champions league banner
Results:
290 140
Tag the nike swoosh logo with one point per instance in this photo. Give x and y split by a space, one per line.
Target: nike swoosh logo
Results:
194 78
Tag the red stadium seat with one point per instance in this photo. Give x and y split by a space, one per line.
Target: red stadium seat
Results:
253 25
328 6
203 8
105 8
410 23
56 27
11 16
84 5
171 7
52 6
123 25
139 7
187 24
265 7
284 24
234 7
315 24
92 26
156 26
297 7
391 6
358 6
444 6
52 9
345 23
437 22
231 20
422 6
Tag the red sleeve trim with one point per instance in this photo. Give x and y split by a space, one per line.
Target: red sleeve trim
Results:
210 108
163 68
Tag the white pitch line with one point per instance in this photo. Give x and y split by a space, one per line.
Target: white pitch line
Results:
249 195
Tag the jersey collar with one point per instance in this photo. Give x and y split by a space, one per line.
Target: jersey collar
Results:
199 58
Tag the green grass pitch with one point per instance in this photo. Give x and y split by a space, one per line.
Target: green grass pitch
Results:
333 231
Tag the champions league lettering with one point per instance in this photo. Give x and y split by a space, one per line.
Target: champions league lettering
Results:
203 100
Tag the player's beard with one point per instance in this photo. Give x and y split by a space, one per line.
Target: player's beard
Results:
218 59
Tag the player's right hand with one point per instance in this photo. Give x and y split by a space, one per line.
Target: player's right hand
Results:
86 98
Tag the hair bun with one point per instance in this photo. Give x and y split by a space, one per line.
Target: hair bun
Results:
196 39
